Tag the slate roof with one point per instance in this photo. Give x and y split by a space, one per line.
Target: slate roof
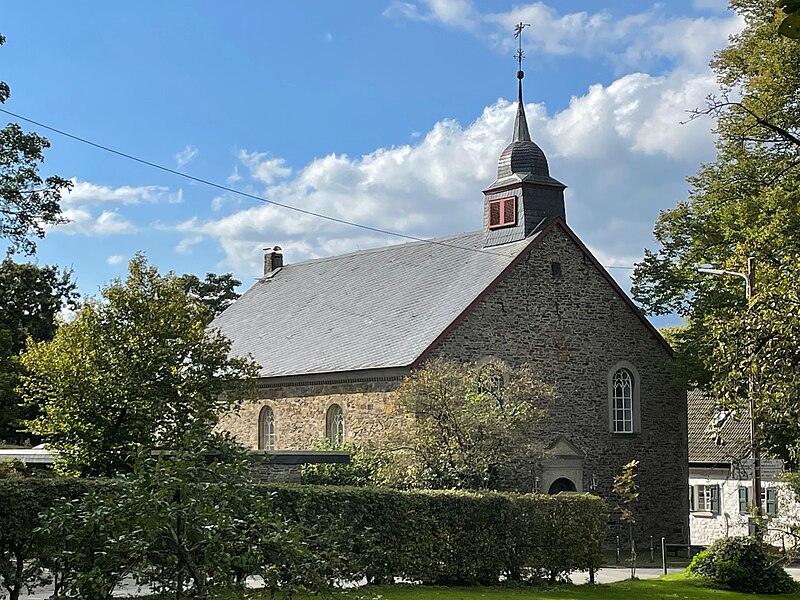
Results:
377 308
734 432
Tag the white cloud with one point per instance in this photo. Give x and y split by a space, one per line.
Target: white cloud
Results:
629 41
263 167
185 156
115 259
83 222
620 148
67 314
186 245
84 192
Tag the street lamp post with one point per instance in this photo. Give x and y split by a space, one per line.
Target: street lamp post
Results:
750 280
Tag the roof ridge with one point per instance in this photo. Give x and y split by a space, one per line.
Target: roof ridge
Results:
434 241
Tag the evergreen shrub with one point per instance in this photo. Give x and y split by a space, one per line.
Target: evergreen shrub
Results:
741 564
448 537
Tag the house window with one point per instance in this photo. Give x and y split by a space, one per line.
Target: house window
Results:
769 501
744 500
334 424
502 212
622 395
704 498
267 427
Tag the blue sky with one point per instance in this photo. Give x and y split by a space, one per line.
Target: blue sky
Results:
389 113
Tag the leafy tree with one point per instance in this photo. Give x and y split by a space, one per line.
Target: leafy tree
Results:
215 292
743 204
361 471
28 203
134 368
30 300
187 522
626 488
465 425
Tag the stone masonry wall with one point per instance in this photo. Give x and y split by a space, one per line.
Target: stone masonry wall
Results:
300 413
574 328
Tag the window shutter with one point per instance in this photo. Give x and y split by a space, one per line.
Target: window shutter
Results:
715 499
691 497
743 499
494 214
509 211
772 501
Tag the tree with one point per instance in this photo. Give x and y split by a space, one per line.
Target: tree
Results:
28 203
135 368
30 300
186 523
215 292
465 425
626 488
745 203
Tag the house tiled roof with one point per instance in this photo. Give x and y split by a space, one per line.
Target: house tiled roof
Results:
728 443
377 308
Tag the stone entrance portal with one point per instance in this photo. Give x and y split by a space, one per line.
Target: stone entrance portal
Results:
562 484
562 467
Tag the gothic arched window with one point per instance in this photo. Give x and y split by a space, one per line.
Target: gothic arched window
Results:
266 426
622 400
334 424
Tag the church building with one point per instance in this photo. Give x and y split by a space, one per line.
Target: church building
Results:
336 336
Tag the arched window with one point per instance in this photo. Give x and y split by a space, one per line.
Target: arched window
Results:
622 387
266 427
334 424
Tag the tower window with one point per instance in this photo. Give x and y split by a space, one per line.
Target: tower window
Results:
502 212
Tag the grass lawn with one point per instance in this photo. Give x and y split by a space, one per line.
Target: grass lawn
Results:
678 587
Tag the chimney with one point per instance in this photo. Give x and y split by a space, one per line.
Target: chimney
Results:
273 259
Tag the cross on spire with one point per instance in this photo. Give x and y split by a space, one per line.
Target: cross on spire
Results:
521 132
518 36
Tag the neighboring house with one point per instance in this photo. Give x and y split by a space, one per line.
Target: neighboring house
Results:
336 336
720 477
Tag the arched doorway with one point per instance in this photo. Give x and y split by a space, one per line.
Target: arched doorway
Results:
562 484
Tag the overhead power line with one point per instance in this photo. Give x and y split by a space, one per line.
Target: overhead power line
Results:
231 190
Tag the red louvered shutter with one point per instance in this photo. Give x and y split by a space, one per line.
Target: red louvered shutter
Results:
494 214
509 211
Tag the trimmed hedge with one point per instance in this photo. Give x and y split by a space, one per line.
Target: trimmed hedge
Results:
449 537
436 537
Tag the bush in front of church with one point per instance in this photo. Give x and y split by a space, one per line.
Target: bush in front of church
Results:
741 564
361 471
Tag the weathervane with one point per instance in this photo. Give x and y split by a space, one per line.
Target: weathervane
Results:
518 36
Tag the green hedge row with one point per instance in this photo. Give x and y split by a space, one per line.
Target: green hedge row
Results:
449 537
438 537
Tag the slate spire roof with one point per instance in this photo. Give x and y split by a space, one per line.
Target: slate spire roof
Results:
522 160
521 131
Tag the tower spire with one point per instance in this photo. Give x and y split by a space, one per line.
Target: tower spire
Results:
521 131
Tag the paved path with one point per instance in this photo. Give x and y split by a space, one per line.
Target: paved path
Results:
604 575
612 574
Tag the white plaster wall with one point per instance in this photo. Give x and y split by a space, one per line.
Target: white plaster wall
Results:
705 527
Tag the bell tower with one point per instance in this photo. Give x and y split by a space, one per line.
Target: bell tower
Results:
523 196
